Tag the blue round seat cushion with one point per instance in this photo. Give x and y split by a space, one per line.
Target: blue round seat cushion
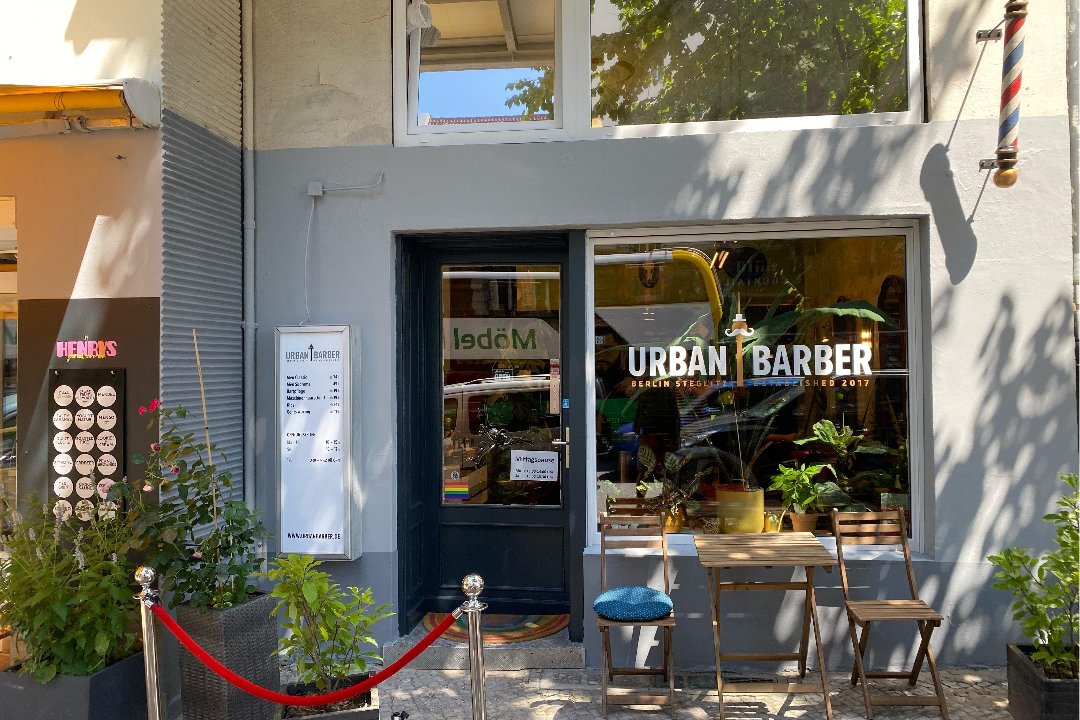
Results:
633 603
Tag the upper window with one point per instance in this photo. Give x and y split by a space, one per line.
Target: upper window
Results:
513 70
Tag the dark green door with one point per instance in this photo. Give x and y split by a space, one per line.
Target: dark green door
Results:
498 485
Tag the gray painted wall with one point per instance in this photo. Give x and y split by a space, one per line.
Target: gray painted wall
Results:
996 286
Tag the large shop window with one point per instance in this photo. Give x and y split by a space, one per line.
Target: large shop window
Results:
720 363
570 69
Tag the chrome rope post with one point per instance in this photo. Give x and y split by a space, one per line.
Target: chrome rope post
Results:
147 599
472 585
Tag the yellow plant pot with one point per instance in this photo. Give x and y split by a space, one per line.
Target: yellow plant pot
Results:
741 511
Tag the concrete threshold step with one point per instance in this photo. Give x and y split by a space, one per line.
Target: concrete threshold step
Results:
554 652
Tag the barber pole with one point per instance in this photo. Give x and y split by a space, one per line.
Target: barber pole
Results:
1011 82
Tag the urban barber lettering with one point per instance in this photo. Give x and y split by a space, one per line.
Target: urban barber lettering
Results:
796 361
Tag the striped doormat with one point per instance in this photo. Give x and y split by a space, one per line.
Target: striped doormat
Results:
501 629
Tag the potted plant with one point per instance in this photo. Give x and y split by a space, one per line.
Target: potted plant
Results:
800 492
1043 675
65 592
203 543
327 631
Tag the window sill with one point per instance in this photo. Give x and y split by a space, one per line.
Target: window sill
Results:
682 545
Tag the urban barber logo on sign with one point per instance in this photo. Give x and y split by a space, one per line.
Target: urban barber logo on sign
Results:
678 366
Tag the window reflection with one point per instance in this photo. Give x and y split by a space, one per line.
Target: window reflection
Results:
709 382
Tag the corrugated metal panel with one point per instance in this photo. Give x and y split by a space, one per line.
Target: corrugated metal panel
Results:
202 283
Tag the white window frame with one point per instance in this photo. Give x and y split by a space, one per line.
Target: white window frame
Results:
919 438
573 104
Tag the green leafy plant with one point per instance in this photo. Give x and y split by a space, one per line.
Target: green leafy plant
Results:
798 488
1046 589
201 541
327 627
844 444
65 591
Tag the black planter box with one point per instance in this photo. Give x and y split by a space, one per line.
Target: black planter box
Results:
1033 696
244 639
116 693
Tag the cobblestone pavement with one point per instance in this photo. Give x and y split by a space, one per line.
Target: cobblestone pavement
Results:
971 693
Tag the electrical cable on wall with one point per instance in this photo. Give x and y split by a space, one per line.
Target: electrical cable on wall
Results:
317 189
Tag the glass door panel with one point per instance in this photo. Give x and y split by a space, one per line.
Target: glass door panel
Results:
502 427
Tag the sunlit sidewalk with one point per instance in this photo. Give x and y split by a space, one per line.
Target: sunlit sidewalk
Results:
568 694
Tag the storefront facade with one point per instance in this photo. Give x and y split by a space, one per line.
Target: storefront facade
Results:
614 285
891 283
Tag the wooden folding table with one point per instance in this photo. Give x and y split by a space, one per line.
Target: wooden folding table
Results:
766 550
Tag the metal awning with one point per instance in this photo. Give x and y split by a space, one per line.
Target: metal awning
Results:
39 109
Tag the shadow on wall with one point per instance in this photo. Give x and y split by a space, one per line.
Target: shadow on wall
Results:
127 34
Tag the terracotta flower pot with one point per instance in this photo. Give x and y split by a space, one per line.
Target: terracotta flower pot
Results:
803 522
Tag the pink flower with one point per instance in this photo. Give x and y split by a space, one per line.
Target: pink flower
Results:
176 470
142 409
154 404
155 447
197 555
147 487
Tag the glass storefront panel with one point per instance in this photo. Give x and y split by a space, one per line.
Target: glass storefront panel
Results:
501 382
720 363
661 62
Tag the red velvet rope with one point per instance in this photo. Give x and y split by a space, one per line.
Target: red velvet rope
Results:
307 700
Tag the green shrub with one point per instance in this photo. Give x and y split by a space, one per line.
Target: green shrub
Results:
1045 588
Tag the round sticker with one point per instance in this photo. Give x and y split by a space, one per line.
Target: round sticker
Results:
84 441
62 441
84 419
62 487
106 464
106 510
84 464
84 396
106 419
84 510
61 419
61 464
106 441
103 487
62 509
106 395
62 396
84 487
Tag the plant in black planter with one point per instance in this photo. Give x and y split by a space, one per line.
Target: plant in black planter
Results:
1043 676
65 592
203 543
328 631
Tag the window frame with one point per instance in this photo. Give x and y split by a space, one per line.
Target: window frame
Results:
919 439
573 98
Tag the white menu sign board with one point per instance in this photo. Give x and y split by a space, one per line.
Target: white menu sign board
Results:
318 492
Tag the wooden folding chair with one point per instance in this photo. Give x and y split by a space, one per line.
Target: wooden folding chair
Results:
627 506
886 528
634 606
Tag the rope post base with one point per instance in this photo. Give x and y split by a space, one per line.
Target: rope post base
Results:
147 599
472 585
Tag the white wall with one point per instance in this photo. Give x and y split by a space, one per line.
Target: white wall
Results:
67 42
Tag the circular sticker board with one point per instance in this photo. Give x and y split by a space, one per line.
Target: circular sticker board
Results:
62 487
62 419
84 441
63 396
62 509
106 395
84 487
106 510
106 419
84 464
62 441
84 510
84 419
85 395
103 487
62 464
106 464
106 442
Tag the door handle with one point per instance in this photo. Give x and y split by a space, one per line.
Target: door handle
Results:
565 445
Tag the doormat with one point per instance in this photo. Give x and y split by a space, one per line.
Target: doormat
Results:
501 629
